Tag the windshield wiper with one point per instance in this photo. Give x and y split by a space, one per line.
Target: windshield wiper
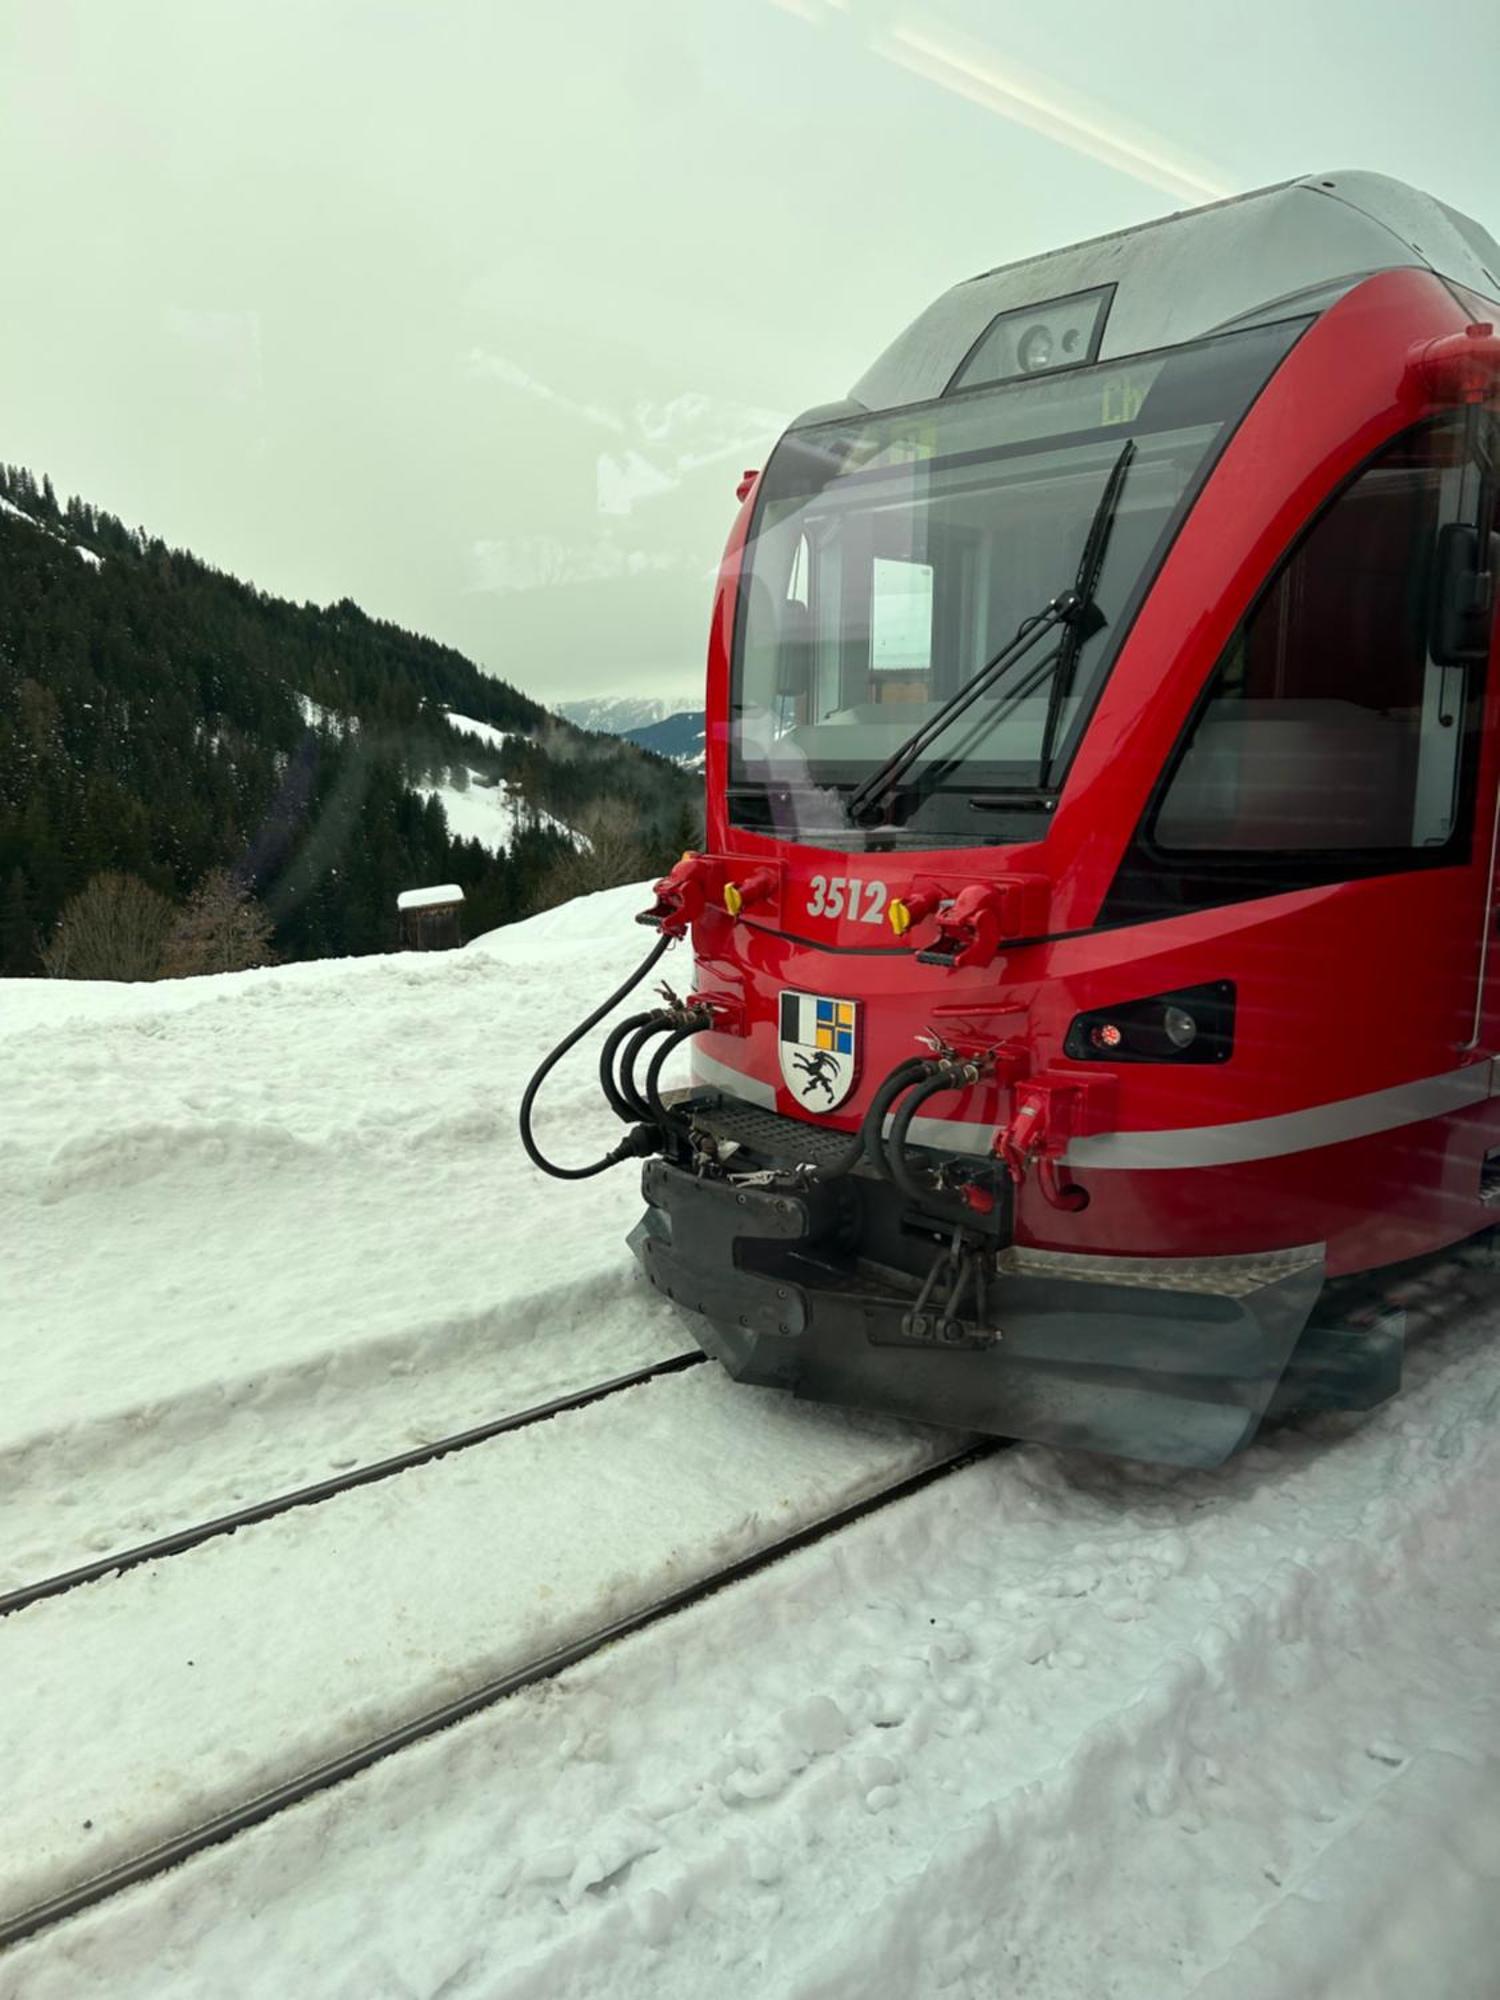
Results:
886 778
1075 609
1013 801
1085 584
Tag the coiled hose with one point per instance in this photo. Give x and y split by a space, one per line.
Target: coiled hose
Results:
619 1091
641 1139
669 1120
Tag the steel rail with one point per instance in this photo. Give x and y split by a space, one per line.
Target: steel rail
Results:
323 1777
182 1539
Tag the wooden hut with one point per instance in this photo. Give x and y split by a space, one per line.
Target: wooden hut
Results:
431 919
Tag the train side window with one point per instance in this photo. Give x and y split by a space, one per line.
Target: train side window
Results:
1328 728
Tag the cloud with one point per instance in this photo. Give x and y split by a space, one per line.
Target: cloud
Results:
503 566
482 366
625 479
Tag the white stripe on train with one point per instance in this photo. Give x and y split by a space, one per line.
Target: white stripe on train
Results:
1197 1145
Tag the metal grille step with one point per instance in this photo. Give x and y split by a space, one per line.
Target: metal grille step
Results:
785 1141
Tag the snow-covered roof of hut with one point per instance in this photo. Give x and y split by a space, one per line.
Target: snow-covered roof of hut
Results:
430 899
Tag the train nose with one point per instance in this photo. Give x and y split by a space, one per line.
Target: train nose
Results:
1174 1361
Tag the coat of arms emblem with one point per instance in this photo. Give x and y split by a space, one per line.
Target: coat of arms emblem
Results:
819 1044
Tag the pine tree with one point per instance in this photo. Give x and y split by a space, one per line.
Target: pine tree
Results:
18 952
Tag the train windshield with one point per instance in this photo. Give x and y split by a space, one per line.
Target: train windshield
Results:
893 556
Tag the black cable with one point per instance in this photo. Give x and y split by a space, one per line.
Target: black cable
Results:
948 1077
866 1140
618 1102
630 1090
872 1127
667 1119
635 1142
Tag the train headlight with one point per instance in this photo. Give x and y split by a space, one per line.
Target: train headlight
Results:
1195 1024
1034 349
1029 340
1180 1028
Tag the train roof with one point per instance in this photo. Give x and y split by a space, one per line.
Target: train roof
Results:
1297 244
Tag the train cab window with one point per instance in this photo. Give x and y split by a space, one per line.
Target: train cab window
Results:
900 629
1329 729
894 554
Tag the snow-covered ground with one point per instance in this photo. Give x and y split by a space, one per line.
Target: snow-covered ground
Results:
256 1225
1050 1727
249 1659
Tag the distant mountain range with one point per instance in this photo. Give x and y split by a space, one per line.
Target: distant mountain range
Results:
618 714
663 726
679 737
160 719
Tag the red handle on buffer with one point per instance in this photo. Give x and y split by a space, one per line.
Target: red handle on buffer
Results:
681 895
969 929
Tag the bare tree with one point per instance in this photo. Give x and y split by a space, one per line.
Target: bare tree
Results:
114 928
610 850
223 929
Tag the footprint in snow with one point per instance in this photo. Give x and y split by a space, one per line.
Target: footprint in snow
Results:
816 1725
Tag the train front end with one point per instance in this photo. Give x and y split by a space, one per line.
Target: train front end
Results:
1090 937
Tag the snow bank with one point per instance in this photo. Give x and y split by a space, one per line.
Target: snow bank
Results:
253 1225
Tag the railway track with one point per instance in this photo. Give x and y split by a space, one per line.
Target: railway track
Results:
182 1539
1424 1290
251 1812
1429 1291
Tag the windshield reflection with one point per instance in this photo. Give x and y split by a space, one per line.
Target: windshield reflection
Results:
893 556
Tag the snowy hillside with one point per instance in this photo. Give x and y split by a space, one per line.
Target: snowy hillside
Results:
485 731
300 747
487 810
86 555
1047 1726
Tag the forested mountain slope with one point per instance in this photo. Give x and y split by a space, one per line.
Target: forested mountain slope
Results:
164 720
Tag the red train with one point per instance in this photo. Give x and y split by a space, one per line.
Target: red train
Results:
1094 935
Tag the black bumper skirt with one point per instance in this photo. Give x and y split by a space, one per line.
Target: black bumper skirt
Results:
1165 1360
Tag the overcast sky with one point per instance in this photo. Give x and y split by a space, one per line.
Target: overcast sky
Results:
475 312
